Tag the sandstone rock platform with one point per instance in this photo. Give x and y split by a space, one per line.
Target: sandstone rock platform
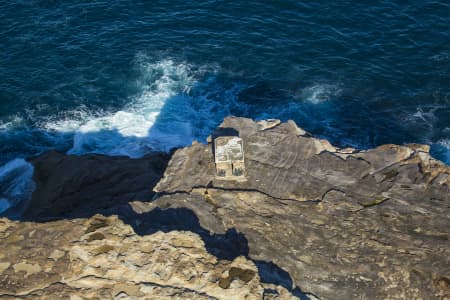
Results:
310 221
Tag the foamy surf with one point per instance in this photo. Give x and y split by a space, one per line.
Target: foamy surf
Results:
178 103
16 185
319 93
441 150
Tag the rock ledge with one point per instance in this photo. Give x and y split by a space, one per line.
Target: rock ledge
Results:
309 221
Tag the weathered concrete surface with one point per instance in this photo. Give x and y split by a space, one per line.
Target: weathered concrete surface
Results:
345 224
103 258
310 221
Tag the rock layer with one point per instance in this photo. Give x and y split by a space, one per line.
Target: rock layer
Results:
310 220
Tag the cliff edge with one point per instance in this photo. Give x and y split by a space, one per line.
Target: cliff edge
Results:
308 220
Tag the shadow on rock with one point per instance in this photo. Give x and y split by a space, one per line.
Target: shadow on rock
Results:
273 274
70 186
227 246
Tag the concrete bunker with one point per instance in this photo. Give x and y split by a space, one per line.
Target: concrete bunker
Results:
229 156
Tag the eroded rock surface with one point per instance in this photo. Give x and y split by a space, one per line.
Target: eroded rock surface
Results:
310 220
345 224
103 258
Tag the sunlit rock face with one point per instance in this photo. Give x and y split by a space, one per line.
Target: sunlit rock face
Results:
343 223
103 257
306 220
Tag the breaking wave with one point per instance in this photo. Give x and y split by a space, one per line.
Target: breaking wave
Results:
16 185
320 92
178 103
441 150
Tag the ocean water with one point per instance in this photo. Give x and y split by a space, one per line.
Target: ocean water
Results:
131 77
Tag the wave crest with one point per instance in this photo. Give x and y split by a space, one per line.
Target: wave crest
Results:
319 93
177 103
16 185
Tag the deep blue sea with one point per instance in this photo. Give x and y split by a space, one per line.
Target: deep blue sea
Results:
130 77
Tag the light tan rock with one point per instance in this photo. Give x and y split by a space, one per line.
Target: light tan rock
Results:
28 268
4 266
56 254
158 265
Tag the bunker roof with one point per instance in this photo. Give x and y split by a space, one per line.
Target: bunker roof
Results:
228 149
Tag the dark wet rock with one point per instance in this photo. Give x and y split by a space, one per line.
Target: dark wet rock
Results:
69 185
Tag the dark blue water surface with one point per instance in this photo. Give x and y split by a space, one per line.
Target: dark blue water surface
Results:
129 77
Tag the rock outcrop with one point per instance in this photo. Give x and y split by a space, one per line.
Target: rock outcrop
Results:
103 258
310 220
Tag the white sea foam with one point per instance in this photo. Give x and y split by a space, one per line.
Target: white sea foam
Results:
172 110
16 183
427 115
68 121
11 124
445 143
177 104
319 93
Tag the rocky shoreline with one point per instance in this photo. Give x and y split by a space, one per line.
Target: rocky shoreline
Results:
310 221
